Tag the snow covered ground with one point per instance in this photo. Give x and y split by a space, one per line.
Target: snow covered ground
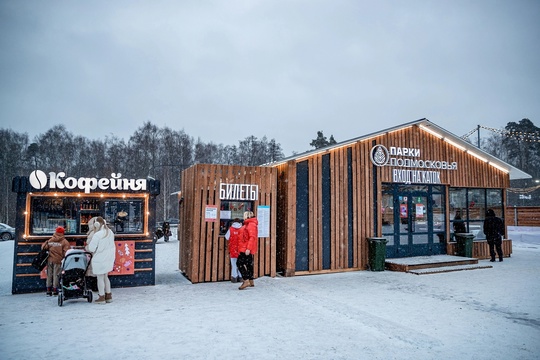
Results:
477 314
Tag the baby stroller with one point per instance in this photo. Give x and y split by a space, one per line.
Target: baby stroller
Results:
72 284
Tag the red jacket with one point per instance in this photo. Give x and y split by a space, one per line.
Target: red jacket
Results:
250 240
234 234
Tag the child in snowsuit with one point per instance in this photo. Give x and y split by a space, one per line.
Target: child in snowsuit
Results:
57 246
233 236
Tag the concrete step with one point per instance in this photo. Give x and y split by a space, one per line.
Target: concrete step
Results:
444 269
409 264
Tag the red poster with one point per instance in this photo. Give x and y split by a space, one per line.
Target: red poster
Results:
124 264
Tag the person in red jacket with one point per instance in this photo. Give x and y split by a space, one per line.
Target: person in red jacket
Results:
233 236
247 247
57 246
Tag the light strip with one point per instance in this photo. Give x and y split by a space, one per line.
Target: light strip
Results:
477 156
498 167
454 144
431 132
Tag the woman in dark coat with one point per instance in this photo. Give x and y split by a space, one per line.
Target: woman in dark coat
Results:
494 230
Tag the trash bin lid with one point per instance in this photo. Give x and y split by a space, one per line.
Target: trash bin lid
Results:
379 239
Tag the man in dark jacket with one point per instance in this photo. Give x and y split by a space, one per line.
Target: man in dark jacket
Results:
494 230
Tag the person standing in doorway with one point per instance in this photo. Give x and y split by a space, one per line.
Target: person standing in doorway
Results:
247 248
459 224
103 253
494 230
57 246
233 235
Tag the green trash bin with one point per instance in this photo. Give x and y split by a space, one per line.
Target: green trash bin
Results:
377 253
464 244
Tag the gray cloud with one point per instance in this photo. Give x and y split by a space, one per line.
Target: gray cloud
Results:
224 70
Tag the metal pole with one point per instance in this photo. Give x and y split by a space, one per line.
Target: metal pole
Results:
478 129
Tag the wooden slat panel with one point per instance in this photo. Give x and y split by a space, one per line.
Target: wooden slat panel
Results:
522 216
481 249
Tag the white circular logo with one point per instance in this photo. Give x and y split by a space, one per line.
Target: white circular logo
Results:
38 179
379 155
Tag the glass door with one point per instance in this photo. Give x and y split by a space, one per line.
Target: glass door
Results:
414 222
414 225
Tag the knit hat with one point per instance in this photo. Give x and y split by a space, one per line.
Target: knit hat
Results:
60 230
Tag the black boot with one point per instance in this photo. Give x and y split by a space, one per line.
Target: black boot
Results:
492 259
49 291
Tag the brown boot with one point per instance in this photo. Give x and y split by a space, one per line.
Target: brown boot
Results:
251 283
100 300
244 285
108 298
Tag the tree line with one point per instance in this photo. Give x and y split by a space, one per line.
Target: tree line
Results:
519 145
160 153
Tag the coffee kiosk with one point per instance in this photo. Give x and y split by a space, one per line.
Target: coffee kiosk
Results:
48 200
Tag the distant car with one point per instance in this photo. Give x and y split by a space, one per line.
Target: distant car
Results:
6 232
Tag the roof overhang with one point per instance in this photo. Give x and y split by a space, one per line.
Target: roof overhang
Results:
435 130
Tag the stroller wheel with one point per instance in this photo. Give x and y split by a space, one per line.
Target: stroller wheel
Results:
60 299
89 296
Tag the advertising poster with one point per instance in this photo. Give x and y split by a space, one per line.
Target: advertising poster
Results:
419 210
210 213
124 263
263 217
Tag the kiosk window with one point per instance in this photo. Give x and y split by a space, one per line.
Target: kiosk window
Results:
72 213
125 216
231 210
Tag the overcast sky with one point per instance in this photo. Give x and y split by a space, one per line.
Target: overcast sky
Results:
225 70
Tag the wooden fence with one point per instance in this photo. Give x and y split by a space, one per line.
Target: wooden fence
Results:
523 216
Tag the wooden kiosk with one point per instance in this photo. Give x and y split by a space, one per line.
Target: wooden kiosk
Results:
213 196
45 201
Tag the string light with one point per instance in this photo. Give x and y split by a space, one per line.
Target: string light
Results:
524 190
518 135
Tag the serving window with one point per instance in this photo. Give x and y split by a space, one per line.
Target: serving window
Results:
230 211
123 215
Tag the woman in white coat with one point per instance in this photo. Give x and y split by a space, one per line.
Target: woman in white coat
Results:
103 253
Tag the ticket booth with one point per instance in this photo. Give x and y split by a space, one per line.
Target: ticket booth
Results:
48 200
212 197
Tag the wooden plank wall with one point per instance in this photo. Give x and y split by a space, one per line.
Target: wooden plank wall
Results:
286 215
522 216
362 221
472 172
203 254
